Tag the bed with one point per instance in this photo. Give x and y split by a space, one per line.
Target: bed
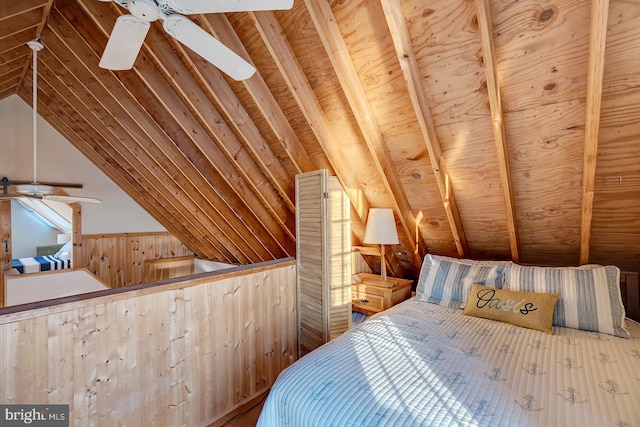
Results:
427 362
59 260
39 263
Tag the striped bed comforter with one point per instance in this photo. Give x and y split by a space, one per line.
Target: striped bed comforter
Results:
39 263
421 364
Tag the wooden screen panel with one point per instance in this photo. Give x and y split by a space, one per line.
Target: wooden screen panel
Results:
310 256
323 250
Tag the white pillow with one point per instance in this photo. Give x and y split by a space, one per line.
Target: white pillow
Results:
64 252
447 281
589 295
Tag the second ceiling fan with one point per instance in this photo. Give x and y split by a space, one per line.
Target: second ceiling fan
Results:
130 31
36 189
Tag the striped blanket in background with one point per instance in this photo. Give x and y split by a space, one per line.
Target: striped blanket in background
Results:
39 263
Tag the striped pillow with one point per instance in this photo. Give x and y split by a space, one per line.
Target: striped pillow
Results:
447 281
589 295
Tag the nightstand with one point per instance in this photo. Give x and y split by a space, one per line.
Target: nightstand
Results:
371 295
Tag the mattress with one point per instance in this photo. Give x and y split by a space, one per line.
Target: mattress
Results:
39 263
421 364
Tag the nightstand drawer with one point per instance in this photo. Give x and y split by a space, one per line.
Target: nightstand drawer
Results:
371 295
366 301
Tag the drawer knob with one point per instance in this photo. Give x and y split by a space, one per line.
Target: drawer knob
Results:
364 301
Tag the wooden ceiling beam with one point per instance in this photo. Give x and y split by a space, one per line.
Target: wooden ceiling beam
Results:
495 103
285 59
45 15
335 46
413 79
217 88
265 101
136 120
595 76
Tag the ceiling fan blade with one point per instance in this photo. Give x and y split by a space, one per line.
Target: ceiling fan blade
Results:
221 6
70 199
51 197
207 46
124 43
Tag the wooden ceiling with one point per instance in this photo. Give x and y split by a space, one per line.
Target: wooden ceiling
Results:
494 129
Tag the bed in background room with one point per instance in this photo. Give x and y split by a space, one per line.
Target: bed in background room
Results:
435 360
59 260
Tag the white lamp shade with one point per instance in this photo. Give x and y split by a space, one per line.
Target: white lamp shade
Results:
381 227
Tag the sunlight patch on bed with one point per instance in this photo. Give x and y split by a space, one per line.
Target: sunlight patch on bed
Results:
400 358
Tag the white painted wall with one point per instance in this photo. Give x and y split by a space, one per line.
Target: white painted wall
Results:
39 233
205 266
60 161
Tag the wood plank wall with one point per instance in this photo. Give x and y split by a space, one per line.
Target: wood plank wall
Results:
118 259
179 353
5 236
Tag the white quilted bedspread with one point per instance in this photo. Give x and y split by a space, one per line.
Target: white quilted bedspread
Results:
421 364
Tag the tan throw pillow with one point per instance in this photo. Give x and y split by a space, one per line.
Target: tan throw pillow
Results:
531 310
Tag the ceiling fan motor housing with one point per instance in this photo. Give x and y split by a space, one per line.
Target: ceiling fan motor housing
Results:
147 10
34 189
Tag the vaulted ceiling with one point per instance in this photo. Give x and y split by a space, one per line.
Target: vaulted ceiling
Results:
494 129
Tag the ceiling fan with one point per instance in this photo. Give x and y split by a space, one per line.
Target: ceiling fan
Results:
130 30
35 189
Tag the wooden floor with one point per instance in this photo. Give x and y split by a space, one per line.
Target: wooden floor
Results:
246 417
249 418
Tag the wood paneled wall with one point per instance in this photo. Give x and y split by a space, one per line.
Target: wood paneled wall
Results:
178 353
118 259
5 236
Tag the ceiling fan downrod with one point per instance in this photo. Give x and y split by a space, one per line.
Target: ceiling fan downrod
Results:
35 46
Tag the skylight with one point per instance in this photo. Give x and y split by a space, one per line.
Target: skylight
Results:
49 213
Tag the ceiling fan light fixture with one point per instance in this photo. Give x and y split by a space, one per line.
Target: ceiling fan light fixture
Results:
34 189
147 10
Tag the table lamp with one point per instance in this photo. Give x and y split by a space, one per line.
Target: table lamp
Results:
381 230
